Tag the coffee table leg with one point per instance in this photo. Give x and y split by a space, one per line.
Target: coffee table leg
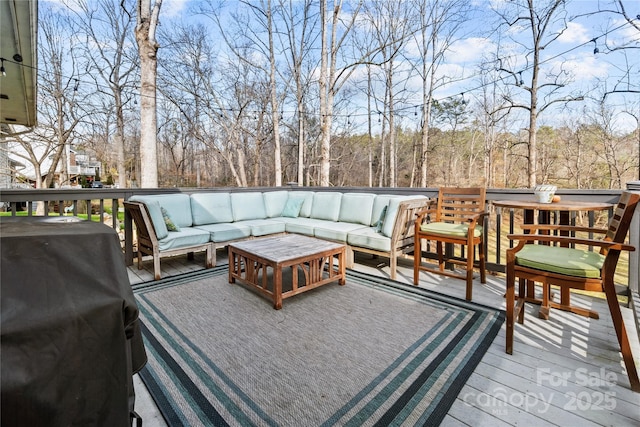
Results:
232 266
342 268
277 288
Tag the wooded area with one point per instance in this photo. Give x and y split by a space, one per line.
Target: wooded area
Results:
340 93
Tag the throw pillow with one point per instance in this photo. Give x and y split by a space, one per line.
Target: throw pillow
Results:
168 221
292 207
380 222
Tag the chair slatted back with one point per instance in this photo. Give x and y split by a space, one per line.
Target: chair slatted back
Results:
458 205
621 219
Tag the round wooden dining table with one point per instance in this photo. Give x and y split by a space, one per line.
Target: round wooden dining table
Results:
566 212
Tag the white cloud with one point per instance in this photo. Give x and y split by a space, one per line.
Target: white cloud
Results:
574 34
172 8
471 49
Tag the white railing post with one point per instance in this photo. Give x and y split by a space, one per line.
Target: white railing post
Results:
634 239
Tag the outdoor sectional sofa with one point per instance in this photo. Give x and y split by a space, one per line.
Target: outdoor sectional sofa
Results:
179 223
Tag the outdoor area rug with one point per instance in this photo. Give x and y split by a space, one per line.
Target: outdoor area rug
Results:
372 352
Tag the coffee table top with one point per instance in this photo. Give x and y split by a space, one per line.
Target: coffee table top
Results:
287 247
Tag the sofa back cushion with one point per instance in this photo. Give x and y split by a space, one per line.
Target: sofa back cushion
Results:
356 208
305 210
159 225
380 203
326 206
274 202
211 208
248 206
392 213
177 205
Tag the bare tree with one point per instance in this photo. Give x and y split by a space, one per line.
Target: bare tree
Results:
545 22
439 23
390 22
59 112
107 28
331 78
299 31
145 31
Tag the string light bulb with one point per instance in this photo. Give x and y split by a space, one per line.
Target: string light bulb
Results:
463 100
521 82
595 48
2 70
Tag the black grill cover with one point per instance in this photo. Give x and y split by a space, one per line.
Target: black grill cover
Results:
70 338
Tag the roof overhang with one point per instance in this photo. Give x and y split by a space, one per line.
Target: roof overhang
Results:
18 48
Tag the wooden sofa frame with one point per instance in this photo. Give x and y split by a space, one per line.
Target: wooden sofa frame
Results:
148 241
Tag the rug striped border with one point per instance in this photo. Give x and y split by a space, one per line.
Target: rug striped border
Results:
401 408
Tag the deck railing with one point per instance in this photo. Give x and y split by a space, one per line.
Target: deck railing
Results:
95 203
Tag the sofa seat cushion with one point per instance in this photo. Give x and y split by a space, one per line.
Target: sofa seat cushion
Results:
367 237
336 231
225 232
263 227
304 226
187 236
566 261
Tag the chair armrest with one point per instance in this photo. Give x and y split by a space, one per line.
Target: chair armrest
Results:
569 228
477 218
606 244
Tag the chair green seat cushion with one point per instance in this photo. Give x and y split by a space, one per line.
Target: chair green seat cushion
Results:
449 229
560 260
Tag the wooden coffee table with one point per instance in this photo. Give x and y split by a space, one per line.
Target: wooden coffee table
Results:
259 263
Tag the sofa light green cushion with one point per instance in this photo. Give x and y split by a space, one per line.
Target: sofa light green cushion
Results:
326 206
367 237
211 208
227 231
305 210
188 236
274 202
263 227
555 259
336 231
292 207
380 202
356 208
155 212
392 213
247 206
304 226
178 206
448 229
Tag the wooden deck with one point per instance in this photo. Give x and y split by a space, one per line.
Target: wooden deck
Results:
566 371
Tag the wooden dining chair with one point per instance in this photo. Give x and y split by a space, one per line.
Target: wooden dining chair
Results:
568 262
457 219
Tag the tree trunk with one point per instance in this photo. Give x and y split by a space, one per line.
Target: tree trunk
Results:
148 49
